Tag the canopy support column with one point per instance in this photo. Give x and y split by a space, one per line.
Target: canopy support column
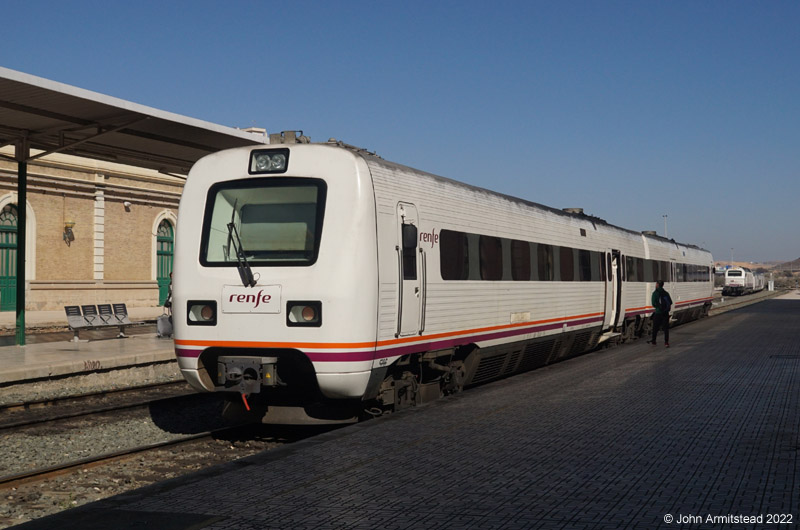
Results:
22 154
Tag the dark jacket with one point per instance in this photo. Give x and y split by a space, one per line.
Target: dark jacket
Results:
657 294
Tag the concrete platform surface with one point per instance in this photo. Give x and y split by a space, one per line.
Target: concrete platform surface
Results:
52 355
705 434
53 359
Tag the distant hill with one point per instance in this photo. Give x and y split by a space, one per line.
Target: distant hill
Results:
749 264
788 265
769 265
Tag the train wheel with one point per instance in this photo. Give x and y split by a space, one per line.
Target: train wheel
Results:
628 330
647 327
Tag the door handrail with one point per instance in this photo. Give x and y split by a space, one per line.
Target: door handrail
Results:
399 290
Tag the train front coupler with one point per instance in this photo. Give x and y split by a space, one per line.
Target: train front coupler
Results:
246 375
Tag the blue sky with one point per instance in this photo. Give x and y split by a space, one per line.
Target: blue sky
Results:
630 110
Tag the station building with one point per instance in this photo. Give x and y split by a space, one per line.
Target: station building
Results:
97 232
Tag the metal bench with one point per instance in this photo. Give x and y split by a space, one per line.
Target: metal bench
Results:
97 317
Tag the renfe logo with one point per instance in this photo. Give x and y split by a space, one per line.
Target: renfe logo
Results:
429 237
258 299
255 299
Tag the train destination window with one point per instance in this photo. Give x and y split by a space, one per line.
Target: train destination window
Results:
274 221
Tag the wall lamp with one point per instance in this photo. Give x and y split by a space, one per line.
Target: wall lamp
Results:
69 236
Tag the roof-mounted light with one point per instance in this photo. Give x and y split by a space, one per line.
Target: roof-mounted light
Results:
269 161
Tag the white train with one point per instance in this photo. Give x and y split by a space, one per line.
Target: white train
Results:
741 280
315 281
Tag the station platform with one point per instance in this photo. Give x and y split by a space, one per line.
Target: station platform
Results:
704 434
52 355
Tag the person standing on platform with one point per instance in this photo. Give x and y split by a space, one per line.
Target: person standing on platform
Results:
662 303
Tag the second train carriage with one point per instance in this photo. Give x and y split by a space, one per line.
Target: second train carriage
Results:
741 280
318 280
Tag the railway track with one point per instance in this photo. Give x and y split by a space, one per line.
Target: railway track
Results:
44 488
36 475
51 437
31 412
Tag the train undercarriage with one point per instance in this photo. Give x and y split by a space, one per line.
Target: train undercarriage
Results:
279 386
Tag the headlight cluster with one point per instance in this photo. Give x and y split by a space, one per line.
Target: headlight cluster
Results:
304 314
269 161
201 313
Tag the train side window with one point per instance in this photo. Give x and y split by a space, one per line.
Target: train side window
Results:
598 266
545 267
453 255
409 252
650 270
630 268
584 265
640 269
567 264
491 252
520 260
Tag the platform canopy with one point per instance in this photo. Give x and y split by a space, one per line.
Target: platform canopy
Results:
57 118
41 117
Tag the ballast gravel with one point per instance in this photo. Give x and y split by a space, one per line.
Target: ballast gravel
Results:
72 440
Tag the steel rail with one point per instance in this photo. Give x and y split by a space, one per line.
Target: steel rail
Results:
14 480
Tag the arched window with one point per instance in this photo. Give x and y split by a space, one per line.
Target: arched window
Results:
165 243
8 258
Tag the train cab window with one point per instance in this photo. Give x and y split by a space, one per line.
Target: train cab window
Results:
453 255
520 260
409 233
491 258
274 221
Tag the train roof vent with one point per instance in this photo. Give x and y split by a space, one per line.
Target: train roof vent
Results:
360 150
578 211
289 137
649 232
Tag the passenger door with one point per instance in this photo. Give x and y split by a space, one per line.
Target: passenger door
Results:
613 289
409 269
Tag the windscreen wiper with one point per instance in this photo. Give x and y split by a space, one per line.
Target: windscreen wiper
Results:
245 272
